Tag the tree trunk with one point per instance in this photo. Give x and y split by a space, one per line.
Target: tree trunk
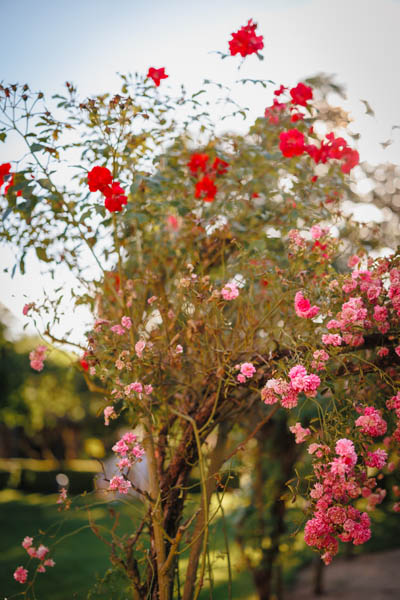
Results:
318 579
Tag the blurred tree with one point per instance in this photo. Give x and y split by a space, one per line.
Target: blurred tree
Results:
47 414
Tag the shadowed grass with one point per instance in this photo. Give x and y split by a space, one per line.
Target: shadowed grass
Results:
79 555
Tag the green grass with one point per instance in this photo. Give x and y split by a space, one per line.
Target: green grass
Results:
81 558
79 555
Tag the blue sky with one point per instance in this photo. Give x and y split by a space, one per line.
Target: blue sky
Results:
91 39
47 42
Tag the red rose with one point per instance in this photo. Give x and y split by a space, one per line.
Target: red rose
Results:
207 187
4 170
280 90
198 162
339 149
300 94
112 281
99 178
319 155
245 41
84 364
220 166
296 117
115 197
272 112
157 74
292 143
337 146
351 159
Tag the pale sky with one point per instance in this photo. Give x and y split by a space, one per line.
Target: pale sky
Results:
48 42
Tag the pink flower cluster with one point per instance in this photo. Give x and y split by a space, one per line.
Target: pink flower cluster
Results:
119 484
109 413
247 371
353 313
394 289
376 305
121 390
393 404
21 574
138 388
332 339
317 232
139 348
300 433
287 392
230 291
129 450
383 351
40 553
123 361
353 261
350 319
37 357
336 487
373 498
27 308
279 390
320 357
296 240
369 284
302 382
123 327
370 308
376 459
380 313
371 422
62 496
303 307
126 322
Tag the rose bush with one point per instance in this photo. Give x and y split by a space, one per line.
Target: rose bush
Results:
222 310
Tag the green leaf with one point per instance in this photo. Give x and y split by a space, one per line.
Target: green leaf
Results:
22 264
45 183
183 210
87 214
6 213
42 255
36 147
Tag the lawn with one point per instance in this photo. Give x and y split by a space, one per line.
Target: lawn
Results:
82 559
80 556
